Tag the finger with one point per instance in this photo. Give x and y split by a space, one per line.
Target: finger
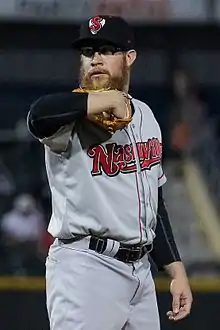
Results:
171 315
106 114
187 307
181 315
176 303
183 306
184 311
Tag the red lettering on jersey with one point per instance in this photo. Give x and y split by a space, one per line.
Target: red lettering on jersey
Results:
153 151
103 159
143 150
156 148
114 159
128 154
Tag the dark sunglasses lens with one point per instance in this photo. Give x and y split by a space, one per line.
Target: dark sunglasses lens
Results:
87 51
104 50
107 49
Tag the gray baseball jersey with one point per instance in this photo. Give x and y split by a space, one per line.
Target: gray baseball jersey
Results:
106 185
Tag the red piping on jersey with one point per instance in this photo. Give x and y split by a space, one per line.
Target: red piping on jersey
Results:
138 194
139 203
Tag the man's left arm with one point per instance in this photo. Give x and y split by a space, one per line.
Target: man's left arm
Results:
166 257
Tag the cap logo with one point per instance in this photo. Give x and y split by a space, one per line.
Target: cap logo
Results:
96 24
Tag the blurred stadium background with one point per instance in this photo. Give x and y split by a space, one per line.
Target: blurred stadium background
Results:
177 73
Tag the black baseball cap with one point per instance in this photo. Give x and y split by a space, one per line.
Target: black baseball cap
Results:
105 29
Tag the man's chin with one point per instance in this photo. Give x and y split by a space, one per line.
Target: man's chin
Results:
96 83
100 83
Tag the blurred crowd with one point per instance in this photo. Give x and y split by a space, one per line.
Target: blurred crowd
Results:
188 118
24 238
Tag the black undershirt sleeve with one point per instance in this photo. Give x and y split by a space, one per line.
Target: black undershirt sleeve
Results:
164 250
51 112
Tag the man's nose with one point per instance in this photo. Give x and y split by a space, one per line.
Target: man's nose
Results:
97 59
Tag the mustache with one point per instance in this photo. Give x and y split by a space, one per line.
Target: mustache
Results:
97 71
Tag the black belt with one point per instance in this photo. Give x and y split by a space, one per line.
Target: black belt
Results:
126 253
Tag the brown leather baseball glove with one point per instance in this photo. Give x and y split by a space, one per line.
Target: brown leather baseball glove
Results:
108 120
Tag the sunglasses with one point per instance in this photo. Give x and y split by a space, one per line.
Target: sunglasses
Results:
104 50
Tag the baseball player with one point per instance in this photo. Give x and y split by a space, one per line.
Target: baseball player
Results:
103 153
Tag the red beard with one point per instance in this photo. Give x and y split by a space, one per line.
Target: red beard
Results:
106 81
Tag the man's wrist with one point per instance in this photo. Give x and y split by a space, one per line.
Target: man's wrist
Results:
176 270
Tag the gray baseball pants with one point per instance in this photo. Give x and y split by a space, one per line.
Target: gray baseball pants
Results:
89 291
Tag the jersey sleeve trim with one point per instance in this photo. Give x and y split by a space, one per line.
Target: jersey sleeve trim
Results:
162 180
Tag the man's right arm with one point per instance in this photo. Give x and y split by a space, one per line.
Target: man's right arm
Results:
51 118
52 112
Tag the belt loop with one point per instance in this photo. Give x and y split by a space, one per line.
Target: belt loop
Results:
98 244
111 248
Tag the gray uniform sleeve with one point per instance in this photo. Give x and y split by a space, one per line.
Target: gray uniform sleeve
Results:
161 177
59 141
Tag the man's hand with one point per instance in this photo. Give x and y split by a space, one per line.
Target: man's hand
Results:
182 299
181 292
121 106
111 101
110 109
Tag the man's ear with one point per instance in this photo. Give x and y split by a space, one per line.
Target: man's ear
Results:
131 57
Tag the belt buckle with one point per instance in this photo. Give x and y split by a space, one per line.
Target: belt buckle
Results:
97 244
128 255
137 251
132 253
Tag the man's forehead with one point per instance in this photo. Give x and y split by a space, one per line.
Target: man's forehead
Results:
98 44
